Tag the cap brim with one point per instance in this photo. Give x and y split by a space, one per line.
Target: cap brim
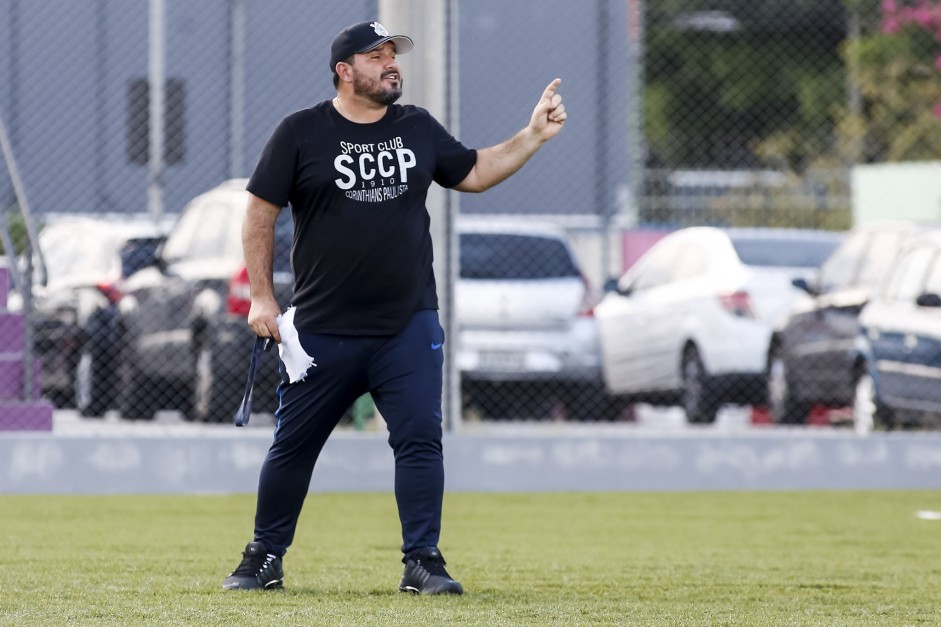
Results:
402 44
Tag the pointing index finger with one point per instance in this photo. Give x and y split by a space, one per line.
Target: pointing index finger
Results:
550 90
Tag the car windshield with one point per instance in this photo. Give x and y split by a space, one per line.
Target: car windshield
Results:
513 256
783 252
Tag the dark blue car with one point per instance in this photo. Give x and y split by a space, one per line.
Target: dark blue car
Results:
900 342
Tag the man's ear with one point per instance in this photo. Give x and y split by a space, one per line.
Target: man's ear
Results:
344 71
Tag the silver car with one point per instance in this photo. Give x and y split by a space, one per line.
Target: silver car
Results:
528 344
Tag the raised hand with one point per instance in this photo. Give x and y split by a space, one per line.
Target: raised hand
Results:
549 115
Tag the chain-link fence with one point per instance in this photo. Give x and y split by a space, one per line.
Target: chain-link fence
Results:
579 289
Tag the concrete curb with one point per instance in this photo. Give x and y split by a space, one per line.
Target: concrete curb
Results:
228 462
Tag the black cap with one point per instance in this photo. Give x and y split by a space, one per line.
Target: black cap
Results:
363 37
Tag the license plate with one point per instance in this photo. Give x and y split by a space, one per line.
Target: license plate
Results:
493 360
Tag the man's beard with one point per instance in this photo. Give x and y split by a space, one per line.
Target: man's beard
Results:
375 90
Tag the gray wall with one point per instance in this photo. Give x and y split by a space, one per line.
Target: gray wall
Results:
65 67
509 52
229 461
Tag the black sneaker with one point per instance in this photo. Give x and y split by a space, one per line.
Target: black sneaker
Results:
425 574
259 570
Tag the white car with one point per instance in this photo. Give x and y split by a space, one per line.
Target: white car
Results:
74 312
528 337
691 320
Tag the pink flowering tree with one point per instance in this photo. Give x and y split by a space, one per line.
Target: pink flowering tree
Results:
896 69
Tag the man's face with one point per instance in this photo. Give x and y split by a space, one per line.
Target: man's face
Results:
376 74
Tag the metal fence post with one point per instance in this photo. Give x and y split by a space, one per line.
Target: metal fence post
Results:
237 33
428 74
156 79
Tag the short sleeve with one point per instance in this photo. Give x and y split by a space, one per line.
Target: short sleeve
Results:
273 178
453 160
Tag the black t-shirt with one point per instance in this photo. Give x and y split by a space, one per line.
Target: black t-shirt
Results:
362 253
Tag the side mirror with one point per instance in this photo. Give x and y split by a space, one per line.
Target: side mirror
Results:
802 284
928 299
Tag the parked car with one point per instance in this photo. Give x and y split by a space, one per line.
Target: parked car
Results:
74 312
691 321
528 339
814 357
186 343
899 368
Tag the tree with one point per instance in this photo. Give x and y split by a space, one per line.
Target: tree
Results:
722 77
896 67
738 84
18 234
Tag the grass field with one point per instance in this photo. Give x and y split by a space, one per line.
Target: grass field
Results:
802 558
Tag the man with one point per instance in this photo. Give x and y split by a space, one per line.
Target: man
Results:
356 170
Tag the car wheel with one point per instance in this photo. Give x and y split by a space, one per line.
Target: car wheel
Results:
869 413
212 400
592 403
95 382
785 408
488 400
63 396
83 385
135 397
60 399
699 397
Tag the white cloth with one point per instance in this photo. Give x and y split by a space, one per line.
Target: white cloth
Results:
296 360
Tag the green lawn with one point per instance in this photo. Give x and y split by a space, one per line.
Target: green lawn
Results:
728 558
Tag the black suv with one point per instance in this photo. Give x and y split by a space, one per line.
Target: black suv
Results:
186 344
814 358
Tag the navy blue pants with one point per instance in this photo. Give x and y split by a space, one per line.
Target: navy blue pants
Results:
403 373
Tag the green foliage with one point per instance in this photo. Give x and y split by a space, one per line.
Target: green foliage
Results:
897 77
807 88
800 204
799 558
712 97
774 92
17 226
